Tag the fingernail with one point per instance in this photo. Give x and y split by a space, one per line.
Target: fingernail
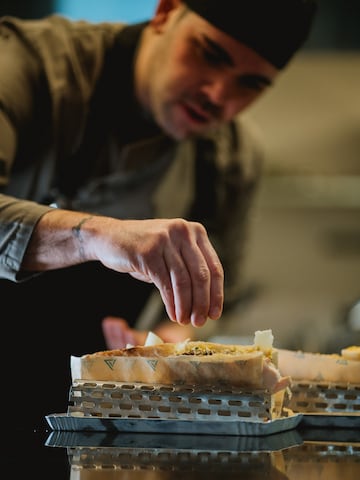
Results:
215 312
185 321
198 321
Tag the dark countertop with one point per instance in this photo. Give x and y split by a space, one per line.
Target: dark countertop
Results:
301 453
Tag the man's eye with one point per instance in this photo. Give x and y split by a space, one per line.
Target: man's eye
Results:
251 83
211 57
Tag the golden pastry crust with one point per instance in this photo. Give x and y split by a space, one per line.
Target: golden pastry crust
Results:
351 353
191 362
193 348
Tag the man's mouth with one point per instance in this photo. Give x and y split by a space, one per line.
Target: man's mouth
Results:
196 113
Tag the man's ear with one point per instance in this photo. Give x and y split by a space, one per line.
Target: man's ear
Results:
162 10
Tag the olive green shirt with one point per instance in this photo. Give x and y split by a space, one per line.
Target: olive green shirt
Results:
72 135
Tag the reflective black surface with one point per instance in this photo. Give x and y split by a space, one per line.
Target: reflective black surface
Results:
24 453
301 453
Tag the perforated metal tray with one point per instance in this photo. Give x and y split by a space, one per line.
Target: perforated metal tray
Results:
138 407
321 397
326 404
170 402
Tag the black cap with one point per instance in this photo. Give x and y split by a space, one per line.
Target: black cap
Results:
275 29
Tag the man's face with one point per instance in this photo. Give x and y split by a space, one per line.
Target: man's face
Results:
198 77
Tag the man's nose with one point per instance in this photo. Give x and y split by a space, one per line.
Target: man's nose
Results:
218 91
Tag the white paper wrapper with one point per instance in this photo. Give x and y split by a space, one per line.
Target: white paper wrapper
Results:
318 367
251 370
247 372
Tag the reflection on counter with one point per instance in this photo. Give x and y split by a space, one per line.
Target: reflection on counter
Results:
295 455
163 456
323 460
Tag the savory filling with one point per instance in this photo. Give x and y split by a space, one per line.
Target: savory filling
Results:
204 350
207 349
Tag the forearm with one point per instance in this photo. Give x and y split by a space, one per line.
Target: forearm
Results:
60 239
173 254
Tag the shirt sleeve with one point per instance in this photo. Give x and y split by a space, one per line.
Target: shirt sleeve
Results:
18 220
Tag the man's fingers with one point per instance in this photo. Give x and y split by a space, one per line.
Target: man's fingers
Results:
161 277
196 277
177 256
199 276
216 279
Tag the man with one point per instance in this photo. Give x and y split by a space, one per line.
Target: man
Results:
121 152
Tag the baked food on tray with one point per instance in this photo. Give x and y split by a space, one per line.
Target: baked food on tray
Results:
325 384
343 368
190 362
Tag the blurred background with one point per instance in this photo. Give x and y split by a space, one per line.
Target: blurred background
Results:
302 270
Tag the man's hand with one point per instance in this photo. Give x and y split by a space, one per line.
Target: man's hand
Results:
174 254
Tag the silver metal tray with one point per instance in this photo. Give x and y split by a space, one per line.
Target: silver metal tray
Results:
326 405
179 442
66 422
134 400
331 420
333 399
